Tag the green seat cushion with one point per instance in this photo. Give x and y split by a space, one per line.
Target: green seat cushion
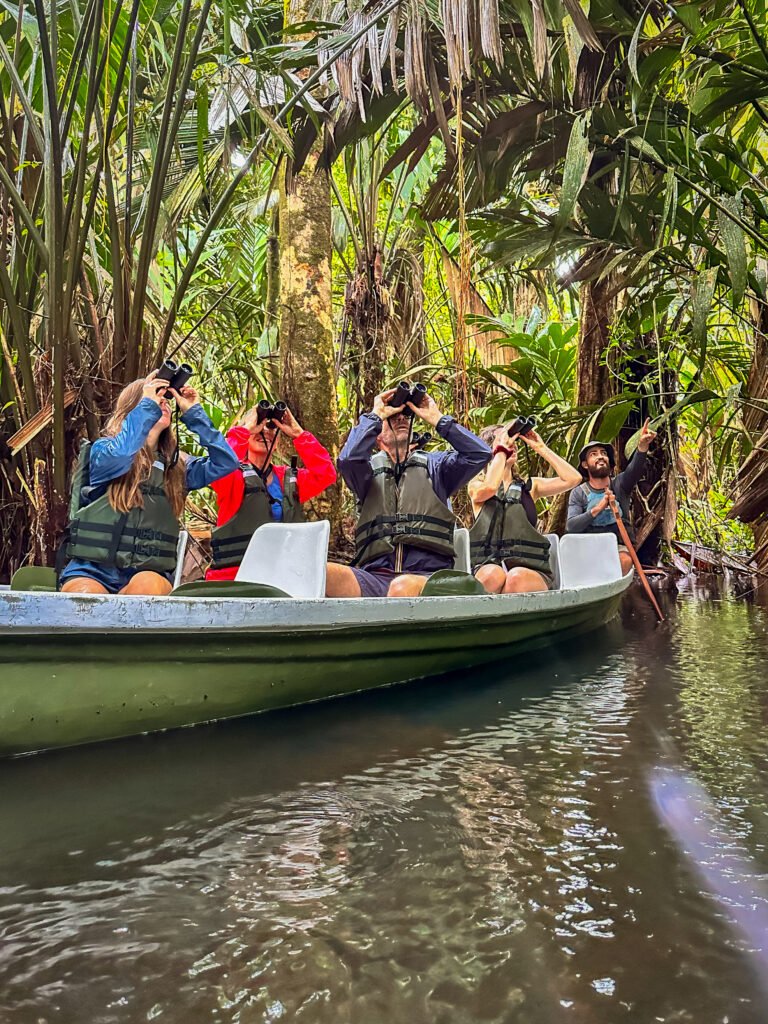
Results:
34 577
452 583
226 588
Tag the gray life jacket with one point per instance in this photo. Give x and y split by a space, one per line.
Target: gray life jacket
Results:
503 535
230 541
404 511
142 539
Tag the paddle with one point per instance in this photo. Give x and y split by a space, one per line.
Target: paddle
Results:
633 555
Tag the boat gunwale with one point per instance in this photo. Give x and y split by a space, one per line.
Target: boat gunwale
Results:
33 614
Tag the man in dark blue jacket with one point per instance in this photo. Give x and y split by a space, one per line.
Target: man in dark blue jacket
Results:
405 525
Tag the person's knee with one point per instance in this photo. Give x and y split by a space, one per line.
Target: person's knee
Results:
406 586
523 581
83 585
147 584
626 562
492 577
340 581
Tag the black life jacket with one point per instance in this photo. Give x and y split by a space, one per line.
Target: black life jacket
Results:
230 541
142 539
402 511
503 535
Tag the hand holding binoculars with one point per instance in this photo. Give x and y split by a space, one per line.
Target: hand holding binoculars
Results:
416 394
271 413
523 425
176 374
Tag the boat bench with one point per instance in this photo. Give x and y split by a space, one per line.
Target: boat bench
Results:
589 560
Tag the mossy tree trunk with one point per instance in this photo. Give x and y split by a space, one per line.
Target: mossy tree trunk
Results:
307 365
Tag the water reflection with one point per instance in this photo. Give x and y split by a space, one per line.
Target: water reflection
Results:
479 849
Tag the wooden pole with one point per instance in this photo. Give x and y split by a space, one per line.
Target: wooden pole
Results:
633 555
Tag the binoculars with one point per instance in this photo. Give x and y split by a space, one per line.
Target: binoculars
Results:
176 374
271 413
420 441
522 425
407 392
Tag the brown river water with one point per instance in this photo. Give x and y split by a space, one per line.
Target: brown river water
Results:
578 836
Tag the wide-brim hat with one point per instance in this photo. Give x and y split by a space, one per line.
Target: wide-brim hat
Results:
598 444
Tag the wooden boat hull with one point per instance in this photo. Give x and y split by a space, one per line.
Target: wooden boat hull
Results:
82 669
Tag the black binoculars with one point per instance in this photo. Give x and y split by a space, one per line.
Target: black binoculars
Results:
271 413
420 441
176 374
407 392
522 425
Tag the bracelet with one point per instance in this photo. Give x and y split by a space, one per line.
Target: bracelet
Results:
501 448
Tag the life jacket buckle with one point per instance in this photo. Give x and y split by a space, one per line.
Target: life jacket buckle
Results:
401 526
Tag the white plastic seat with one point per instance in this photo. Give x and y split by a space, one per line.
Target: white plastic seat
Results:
181 550
554 558
461 549
290 556
588 559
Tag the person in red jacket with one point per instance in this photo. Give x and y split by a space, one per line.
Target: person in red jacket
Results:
260 492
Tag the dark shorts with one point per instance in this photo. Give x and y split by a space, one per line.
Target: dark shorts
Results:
109 576
376 583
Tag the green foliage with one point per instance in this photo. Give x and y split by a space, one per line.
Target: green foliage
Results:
704 521
603 144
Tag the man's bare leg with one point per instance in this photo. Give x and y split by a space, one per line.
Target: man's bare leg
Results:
83 585
409 585
524 581
147 584
493 578
340 581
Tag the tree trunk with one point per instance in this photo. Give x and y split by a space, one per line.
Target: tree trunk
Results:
595 383
752 479
307 366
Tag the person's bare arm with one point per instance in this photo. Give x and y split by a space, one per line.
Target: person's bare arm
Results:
548 486
486 484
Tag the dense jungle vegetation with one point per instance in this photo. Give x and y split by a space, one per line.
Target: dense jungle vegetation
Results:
536 206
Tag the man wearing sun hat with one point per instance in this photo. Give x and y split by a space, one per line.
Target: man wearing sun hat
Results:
588 509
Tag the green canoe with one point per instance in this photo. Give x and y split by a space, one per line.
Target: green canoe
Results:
79 669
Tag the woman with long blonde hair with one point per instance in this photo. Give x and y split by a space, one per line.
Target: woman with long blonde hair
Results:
508 554
125 529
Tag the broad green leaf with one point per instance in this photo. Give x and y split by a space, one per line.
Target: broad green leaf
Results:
645 148
632 51
575 171
735 245
702 294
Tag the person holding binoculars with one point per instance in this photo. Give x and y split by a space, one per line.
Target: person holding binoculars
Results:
258 491
405 523
130 487
508 554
